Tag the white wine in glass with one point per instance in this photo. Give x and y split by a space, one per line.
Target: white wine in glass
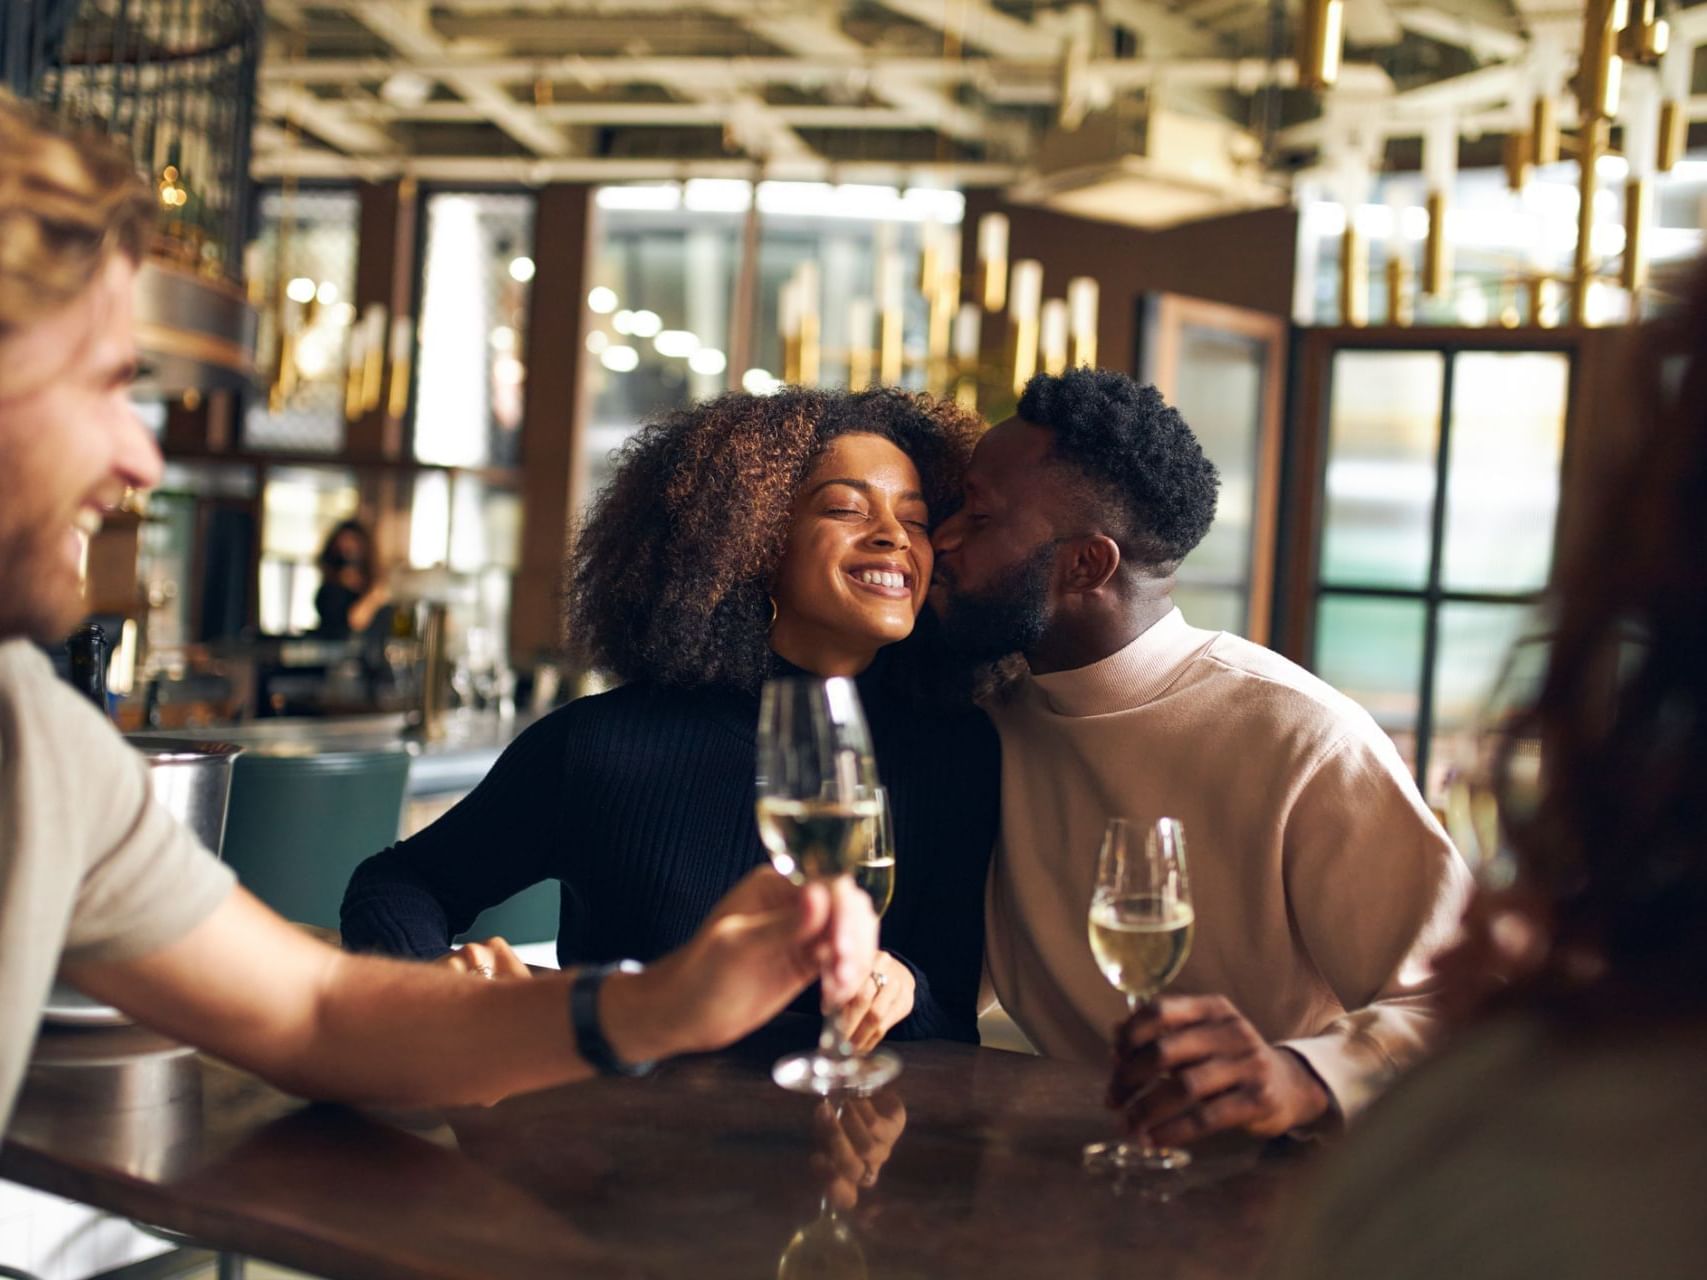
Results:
875 873
1140 924
820 814
1140 943
818 839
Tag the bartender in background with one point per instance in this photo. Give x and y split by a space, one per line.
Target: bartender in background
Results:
350 599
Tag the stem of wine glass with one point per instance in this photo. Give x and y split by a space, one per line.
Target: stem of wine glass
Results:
1142 1141
832 1040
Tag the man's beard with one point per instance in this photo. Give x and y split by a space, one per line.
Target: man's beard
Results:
39 598
1009 616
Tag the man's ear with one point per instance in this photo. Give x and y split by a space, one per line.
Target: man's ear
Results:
1090 562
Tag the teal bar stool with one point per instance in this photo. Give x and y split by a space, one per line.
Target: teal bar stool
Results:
530 916
299 822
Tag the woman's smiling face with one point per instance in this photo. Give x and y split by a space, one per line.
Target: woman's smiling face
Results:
858 562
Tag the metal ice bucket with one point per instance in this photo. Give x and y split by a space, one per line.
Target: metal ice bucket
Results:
192 779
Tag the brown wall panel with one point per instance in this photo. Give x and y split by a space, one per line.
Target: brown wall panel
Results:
553 418
1244 259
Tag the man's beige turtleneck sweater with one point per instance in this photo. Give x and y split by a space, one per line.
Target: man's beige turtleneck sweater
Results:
1321 881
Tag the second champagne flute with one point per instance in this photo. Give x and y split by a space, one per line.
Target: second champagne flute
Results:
818 815
876 870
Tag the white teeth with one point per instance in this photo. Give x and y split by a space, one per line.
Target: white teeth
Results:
878 578
88 522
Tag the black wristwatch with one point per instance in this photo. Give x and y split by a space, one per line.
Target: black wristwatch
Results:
584 1020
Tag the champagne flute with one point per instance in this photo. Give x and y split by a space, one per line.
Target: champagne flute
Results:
1141 923
818 814
876 872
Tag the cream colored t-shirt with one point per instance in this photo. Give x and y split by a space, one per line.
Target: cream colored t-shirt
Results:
92 868
1322 883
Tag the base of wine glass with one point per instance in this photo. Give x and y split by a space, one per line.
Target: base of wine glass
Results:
1128 1157
823 1075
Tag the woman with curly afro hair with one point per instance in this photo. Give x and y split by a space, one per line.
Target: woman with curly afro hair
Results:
745 537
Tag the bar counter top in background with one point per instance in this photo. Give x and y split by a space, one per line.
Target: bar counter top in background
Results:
472 743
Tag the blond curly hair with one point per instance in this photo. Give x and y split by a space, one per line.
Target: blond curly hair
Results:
67 201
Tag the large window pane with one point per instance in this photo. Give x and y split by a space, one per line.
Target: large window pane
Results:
1371 650
1383 439
660 268
305 257
474 296
1502 482
1221 389
1475 640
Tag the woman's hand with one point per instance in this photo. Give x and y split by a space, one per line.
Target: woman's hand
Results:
492 958
882 1000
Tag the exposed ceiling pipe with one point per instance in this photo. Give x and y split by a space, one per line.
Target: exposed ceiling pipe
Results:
496 169
1243 74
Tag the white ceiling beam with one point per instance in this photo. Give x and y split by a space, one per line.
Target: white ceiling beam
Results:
1370 24
816 70
666 114
1162 30
815 38
609 70
976 25
1480 38
1474 89
404 28
535 172
407 28
749 122
1244 75
326 119
1689 25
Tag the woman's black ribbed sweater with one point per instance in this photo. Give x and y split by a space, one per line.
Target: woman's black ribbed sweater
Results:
639 802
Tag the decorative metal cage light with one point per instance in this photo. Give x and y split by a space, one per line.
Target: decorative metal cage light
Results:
173 83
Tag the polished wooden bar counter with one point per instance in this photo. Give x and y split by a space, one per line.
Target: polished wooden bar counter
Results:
706 1169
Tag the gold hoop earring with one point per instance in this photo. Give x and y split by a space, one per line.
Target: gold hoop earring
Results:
772 599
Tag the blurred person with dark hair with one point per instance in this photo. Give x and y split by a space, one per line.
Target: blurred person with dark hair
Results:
1322 883
352 596
744 537
1553 1134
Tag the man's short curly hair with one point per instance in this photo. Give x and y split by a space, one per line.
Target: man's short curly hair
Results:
669 576
1144 465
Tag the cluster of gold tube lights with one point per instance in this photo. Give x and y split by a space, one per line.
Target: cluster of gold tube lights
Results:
372 337
1615 32
1051 334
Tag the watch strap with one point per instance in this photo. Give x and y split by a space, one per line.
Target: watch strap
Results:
584 1021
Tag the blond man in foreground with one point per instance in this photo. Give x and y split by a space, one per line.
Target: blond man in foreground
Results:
99 882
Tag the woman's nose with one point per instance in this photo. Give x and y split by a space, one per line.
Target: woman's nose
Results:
890 532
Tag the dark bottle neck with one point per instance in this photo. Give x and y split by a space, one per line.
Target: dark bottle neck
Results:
88 652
